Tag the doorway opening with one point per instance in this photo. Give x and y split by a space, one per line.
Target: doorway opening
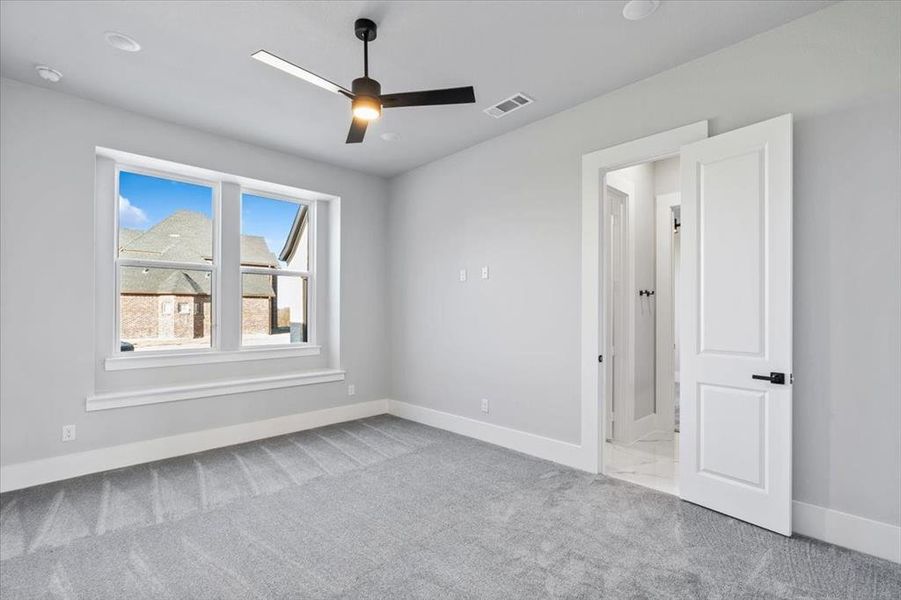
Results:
642 223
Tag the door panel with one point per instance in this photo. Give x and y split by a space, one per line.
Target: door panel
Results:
731 211
731 434
736 311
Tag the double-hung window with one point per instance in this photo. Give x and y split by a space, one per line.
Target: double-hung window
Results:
211 266
166 262
275 270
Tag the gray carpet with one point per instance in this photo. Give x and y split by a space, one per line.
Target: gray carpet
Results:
385 508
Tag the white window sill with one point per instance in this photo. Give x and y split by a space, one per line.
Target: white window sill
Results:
108 400
129 360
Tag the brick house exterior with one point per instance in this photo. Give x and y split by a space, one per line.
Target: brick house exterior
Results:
164 316
257 315
159 306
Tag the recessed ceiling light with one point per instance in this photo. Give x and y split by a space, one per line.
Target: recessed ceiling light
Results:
637 10
120 41
51 75
390 136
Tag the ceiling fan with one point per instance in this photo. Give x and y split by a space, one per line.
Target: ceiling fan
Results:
367 99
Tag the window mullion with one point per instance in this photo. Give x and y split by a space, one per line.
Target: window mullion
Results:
229 267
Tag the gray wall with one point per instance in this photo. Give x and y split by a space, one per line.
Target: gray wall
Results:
666 176
47 143
513 203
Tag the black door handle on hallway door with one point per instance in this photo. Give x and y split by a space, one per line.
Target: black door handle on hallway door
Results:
773 377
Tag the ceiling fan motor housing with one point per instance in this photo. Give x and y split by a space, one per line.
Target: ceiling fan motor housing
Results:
366 102
366 93
365 86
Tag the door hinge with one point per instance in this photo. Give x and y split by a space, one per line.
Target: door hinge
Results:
600 358
791 377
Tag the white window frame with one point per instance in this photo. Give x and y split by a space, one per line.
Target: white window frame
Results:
148 263
309 275
226 346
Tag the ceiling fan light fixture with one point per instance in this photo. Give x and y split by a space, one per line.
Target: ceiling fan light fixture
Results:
366 108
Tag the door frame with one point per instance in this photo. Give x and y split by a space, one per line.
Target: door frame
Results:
665 332
594 376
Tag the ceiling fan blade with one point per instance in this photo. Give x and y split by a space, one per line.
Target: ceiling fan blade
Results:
357 131
460 95
292 69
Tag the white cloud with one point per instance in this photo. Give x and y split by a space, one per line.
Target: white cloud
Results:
130 215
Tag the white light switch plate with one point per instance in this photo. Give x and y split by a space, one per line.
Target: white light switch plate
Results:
484 405
462 274
351 390
484 272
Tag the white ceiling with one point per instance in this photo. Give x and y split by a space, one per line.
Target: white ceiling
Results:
195 66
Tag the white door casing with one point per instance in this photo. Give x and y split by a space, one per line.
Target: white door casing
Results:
736 321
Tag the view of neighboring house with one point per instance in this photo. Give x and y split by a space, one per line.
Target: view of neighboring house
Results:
161 305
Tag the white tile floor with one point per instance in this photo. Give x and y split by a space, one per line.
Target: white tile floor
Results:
652 461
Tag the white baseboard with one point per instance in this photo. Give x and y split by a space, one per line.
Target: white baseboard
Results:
842 529
46 470
850 531
571 455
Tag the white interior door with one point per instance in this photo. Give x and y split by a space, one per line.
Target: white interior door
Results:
736 330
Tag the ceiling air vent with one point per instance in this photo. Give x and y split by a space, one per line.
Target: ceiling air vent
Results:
505 107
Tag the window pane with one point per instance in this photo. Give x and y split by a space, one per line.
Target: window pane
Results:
274 233
164 309
164 219
273 309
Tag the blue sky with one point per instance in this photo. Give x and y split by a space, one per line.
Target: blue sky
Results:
269 218
144 201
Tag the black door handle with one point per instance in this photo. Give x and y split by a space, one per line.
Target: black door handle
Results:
773 377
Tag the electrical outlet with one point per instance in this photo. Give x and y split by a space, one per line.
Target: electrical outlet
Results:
485 405
462 274
484 272
351 389
68 433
